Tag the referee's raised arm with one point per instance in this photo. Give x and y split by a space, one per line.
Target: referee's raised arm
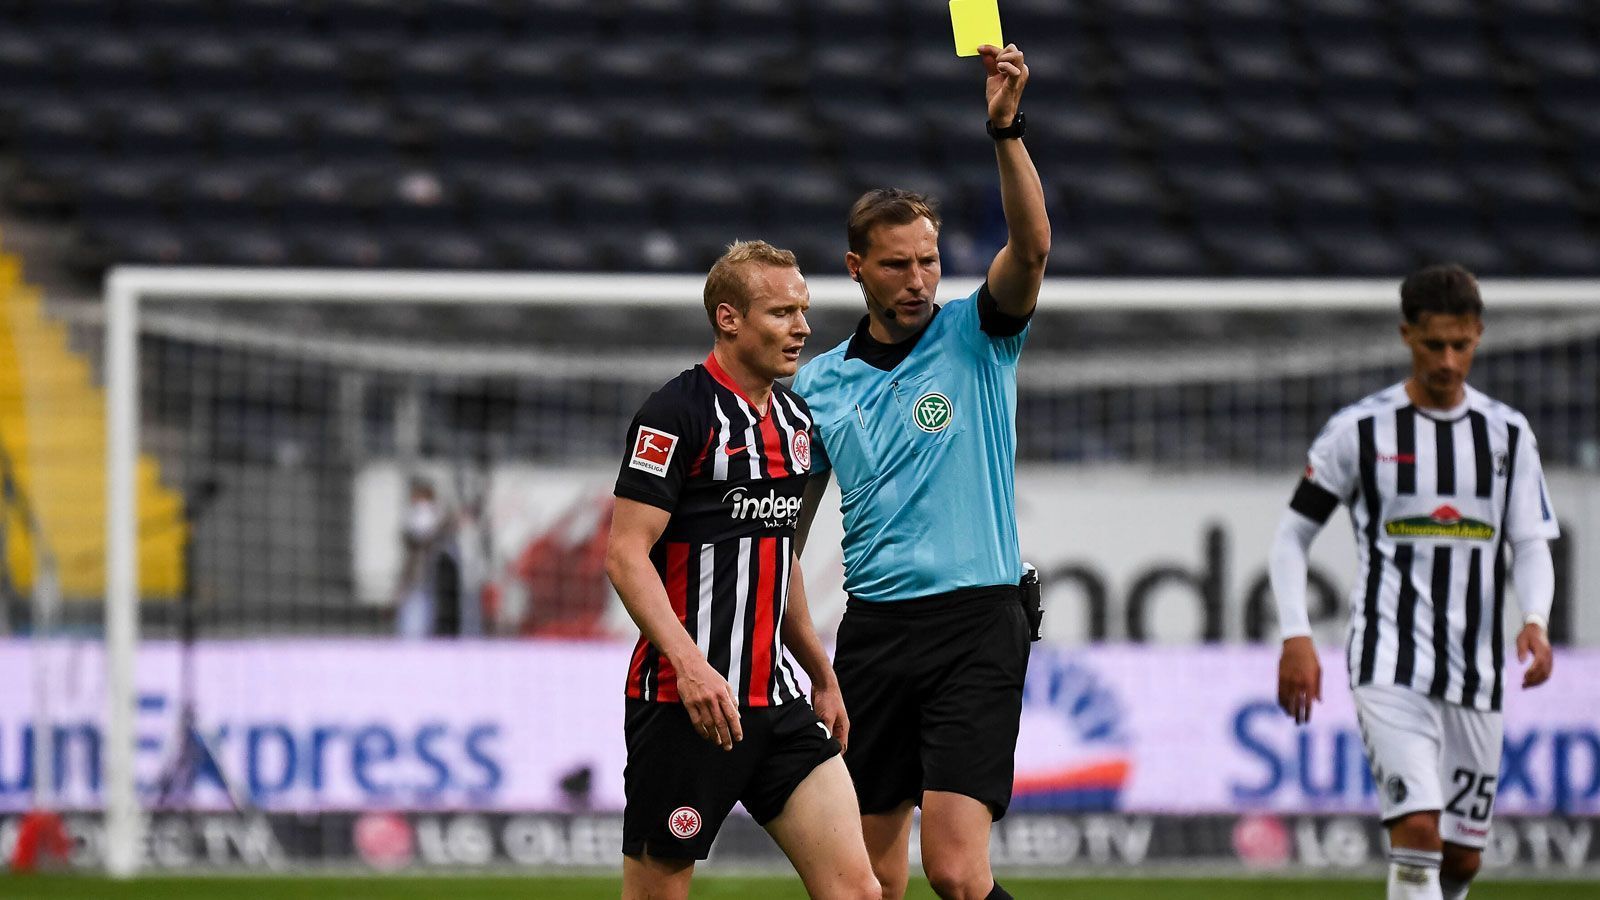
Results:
1018 269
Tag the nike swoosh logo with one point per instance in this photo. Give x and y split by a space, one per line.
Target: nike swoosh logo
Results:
735 451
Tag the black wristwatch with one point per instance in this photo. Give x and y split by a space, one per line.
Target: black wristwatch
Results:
1016 129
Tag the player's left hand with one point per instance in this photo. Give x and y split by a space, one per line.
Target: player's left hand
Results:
1007 76
1299 678
829 706
1532 641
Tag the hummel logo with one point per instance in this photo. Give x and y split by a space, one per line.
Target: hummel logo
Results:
735 451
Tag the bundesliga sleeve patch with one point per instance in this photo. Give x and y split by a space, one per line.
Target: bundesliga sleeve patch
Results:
652 451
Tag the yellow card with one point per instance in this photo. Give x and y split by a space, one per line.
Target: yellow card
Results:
975 23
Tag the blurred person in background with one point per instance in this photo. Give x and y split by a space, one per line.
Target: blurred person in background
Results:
432 600
916 412
701 553
1442 482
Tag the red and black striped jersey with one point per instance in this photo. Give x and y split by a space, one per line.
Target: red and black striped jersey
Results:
732 478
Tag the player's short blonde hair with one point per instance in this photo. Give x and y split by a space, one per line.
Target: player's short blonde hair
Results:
727 282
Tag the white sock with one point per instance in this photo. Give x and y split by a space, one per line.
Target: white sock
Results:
1453 890
1414 874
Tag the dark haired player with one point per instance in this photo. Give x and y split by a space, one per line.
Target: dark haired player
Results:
1443 485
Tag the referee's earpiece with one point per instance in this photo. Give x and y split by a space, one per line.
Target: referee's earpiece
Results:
888 311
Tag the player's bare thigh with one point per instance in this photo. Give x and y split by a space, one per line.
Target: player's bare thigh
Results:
1416 831
955 844
820 831
646 877
888 838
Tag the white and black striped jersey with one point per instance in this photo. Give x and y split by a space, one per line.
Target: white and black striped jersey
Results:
1435 497
732 479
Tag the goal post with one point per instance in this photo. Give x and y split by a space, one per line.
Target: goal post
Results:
128 291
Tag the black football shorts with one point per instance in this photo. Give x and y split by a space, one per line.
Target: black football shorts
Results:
680 786
933 687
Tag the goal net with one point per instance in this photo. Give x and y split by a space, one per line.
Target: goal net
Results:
381 604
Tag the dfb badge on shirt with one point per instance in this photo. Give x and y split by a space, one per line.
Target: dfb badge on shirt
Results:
652 451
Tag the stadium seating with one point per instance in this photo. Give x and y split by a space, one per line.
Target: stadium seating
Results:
1223 137
59 454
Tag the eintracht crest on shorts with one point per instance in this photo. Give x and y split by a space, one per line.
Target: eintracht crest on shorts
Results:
732 479
1434 497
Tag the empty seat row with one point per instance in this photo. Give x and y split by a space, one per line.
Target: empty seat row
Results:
1237 135
1125 249
1176 123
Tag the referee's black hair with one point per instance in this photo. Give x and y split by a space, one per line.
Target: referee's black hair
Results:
1447 288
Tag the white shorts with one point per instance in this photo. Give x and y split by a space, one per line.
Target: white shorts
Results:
1427 754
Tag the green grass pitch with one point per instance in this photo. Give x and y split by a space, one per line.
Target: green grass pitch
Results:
714 887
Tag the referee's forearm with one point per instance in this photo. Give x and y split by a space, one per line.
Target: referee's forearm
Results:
1022 197
1018 269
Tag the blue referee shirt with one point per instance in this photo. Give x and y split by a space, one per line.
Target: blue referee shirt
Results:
925 453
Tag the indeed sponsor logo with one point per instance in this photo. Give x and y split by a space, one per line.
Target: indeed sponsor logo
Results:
768 508
365 762
1542 768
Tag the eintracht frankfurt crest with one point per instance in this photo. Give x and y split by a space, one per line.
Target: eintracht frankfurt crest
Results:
684 822
931 412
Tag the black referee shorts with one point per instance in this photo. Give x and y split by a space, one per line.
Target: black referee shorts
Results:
934 691
680 787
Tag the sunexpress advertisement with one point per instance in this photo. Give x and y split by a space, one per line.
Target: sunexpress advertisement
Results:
536 726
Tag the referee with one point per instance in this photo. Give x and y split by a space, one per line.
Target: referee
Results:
916 413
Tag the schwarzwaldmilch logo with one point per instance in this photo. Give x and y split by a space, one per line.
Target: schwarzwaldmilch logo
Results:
1444 522
931 412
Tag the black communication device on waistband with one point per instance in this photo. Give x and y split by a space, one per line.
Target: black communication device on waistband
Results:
1032 600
